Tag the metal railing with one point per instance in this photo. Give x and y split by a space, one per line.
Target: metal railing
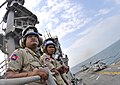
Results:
3 67
24 80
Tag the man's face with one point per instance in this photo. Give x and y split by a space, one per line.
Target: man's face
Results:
50 49
32 41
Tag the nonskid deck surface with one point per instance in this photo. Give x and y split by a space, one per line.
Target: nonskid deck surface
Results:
107 76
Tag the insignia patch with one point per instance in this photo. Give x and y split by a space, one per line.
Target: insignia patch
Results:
47 59
14 57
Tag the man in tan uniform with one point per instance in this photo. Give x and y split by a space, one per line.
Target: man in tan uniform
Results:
55 67
24 61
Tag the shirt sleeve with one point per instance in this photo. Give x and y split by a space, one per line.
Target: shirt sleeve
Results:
15 61
47 61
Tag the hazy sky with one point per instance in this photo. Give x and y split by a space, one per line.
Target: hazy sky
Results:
84 27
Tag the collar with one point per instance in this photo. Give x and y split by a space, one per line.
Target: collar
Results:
48 56
30 51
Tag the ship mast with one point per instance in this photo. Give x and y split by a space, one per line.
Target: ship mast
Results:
17 18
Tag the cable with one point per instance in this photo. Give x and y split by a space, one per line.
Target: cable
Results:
3 4
1 22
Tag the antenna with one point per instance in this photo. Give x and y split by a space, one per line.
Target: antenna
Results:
3 4
48 34
9 2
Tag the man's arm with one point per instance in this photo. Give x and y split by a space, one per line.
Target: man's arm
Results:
12 74
40 72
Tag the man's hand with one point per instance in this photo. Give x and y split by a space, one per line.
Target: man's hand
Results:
40 72
63 69
56 71
66 69
60 69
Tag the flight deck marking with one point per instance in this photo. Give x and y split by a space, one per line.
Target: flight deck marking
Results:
98 77
118 67
91 76
109 73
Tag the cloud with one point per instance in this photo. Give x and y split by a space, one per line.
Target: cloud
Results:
2 13
117 1
2 10
2 56
103 11
31 5
114 1
84 33
61 17
99 37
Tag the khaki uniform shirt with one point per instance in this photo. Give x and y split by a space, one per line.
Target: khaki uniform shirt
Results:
25 60
52 63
